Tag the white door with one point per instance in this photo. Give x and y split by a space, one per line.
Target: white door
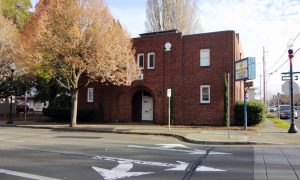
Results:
147 108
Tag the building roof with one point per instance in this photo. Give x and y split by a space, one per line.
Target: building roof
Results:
172 31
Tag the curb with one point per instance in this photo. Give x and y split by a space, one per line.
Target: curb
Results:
179 137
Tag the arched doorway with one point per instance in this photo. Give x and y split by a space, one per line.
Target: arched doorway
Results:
142 106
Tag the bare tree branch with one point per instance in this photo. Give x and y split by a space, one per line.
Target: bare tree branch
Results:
173 14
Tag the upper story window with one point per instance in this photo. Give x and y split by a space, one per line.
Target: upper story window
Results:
205 94
151 60
140 60
90 95
204 57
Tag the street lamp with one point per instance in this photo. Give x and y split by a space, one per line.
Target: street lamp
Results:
278 105
293 128
12 67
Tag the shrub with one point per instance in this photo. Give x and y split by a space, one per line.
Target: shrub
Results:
64 114
58 114
62 101
255 112
87 115
59 110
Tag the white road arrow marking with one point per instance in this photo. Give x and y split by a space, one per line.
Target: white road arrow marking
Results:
120 171
25 175
181 166
192 151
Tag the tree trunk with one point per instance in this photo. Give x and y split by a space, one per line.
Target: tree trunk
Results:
74 108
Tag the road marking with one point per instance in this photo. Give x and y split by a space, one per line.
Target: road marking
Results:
120 171
191 151
11 140
181 166
172 145
25 175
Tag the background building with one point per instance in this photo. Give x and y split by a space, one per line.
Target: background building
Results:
285 87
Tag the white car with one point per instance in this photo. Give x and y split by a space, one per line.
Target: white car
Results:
272 109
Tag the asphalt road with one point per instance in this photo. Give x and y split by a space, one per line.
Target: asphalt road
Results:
47 154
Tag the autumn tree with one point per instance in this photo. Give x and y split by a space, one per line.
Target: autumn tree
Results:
284 99
79 39
8 39
164 15
16 10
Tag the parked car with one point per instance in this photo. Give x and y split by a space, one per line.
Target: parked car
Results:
21 108
272 109
285 112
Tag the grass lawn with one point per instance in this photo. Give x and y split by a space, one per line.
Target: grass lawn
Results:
278 122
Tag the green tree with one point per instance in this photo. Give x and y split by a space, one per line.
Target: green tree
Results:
16 10
47 88
17 86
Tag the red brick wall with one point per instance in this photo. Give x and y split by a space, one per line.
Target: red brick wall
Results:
179 70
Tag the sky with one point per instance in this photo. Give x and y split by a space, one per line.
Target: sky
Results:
260 23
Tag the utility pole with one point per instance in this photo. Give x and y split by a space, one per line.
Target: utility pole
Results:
264 76
260 88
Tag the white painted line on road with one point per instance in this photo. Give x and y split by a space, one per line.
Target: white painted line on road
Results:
192 151
169 146
25 175
208 169
11 140
120 171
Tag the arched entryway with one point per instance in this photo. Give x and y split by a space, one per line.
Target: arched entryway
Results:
142 106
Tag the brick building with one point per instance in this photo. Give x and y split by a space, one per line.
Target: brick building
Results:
193 66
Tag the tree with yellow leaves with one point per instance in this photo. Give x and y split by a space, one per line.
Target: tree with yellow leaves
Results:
8 39
79 39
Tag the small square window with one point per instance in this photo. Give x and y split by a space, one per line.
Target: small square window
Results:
90 95
151 60
140 60
205 94
204 57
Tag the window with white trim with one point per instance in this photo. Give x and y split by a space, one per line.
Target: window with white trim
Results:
151 60
90 95
140 60
204 57
205 94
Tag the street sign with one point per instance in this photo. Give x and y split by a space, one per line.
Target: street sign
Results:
288 78
245 69
249 84
169 92
289 73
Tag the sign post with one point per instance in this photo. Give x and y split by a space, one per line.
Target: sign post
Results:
169 94
25 112
228 106
245 70
245 107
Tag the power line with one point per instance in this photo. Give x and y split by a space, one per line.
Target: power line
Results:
293 40
282 64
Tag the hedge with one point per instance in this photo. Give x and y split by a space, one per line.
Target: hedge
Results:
255 112
64 114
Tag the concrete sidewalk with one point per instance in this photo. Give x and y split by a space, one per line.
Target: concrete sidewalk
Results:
266 133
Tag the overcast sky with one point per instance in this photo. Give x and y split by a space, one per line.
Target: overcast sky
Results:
269 23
